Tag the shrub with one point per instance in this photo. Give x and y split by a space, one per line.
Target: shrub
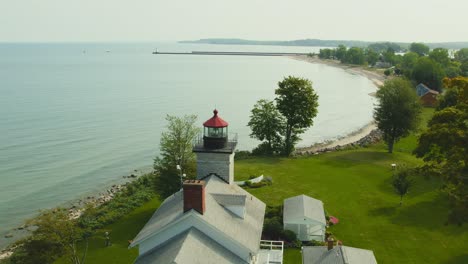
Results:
272 228
243 154
288 236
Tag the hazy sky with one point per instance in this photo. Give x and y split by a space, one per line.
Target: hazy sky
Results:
153 20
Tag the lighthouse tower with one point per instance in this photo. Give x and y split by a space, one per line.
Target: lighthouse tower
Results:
215 151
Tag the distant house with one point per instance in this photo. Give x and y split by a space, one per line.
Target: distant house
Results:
337 255
211 219
427 96
305 216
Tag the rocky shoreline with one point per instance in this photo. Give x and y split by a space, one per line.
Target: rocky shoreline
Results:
75 210
373 137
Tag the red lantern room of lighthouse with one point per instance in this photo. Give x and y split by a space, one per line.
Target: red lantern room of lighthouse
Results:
215 132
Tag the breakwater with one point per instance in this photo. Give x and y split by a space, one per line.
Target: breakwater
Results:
232 53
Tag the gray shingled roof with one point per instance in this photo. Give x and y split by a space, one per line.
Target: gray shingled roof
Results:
246 232
422 89
337 255
192 246
303 208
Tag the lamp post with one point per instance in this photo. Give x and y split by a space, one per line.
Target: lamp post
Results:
180 174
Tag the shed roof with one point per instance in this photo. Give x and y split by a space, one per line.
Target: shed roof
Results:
337 255
302 208
245 231
422 89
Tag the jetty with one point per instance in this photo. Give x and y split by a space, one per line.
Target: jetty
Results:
232 53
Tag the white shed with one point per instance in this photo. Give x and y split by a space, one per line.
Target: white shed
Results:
305 216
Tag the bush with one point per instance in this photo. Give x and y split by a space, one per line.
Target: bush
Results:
273 211
243 154
272 228
288 236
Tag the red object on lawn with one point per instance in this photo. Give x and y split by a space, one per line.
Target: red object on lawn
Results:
334 220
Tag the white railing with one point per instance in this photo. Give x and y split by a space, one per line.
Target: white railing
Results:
274 250
271 245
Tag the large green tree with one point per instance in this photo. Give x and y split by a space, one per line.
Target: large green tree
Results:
462 54
428 72
462 57
444 148
176 149
267 123
371 56
340 52
354 55
440 55
398 110
297 101
419 48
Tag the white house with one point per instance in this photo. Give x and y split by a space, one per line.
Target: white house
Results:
337 255
305 216
211 219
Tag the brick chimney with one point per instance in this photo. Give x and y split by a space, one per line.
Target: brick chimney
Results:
194 195
330 242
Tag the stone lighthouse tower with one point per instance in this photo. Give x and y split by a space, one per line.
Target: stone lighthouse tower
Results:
215 151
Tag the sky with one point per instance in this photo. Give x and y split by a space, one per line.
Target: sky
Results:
173 20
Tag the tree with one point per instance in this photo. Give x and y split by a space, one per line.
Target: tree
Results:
176 149
419 48
398 110
54 227
440 55
407 63
389 56
371 56
444 149
428 72
297 101
340 52
354 55
401 182
267 123
462 55
326 53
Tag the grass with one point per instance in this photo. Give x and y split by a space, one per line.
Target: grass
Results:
355 186
120 232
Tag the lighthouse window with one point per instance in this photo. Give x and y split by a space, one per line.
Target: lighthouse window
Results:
216 132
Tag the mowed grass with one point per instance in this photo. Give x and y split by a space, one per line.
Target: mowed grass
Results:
355 186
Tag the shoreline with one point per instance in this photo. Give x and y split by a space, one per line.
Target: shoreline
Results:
74 207
377 79
355 136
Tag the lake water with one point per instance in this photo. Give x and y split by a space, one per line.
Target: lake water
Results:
75 118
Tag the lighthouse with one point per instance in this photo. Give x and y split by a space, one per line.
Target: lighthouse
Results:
215 150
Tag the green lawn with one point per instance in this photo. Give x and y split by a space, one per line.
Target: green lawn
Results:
355 186
120 232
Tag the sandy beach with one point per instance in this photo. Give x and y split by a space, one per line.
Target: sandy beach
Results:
376 78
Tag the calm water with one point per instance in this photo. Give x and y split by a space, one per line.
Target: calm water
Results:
75 118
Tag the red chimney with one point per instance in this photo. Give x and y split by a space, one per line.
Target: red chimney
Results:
330 243
194 196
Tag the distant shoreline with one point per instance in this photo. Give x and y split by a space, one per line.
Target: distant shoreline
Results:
377 80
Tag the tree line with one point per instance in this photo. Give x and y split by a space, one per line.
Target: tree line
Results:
419 64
